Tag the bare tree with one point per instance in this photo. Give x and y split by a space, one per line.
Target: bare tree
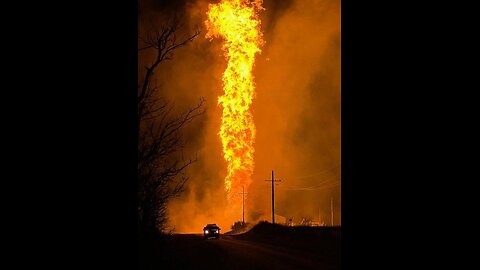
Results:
161 164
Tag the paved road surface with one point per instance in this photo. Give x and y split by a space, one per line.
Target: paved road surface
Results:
189 251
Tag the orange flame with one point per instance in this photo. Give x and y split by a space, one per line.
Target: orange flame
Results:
237 23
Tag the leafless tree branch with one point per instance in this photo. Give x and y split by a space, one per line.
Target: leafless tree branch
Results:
161 163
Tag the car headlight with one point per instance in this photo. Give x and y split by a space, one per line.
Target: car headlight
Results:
206 231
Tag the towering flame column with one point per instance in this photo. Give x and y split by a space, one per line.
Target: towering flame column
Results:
237 23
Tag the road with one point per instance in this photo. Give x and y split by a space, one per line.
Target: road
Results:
190 251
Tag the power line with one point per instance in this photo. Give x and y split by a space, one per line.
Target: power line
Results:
319 173
324 184
312 189
330 184
334 178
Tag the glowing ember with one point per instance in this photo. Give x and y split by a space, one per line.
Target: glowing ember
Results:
237 23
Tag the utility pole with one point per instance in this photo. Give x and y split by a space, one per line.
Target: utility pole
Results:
319 220
243 205
331 208
273 196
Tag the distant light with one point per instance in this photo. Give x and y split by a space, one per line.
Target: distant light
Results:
206 231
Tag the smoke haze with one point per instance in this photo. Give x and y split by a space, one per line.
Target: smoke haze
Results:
296 113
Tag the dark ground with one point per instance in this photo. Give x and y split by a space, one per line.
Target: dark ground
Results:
263 247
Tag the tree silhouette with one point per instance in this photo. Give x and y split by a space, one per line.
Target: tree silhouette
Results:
239 226
161 164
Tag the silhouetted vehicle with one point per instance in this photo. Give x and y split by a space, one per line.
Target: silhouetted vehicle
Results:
211 230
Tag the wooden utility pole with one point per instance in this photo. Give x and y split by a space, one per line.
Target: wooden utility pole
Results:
243 205
319 221
331 208
273 195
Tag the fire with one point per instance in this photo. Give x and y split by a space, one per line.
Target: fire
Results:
237 23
